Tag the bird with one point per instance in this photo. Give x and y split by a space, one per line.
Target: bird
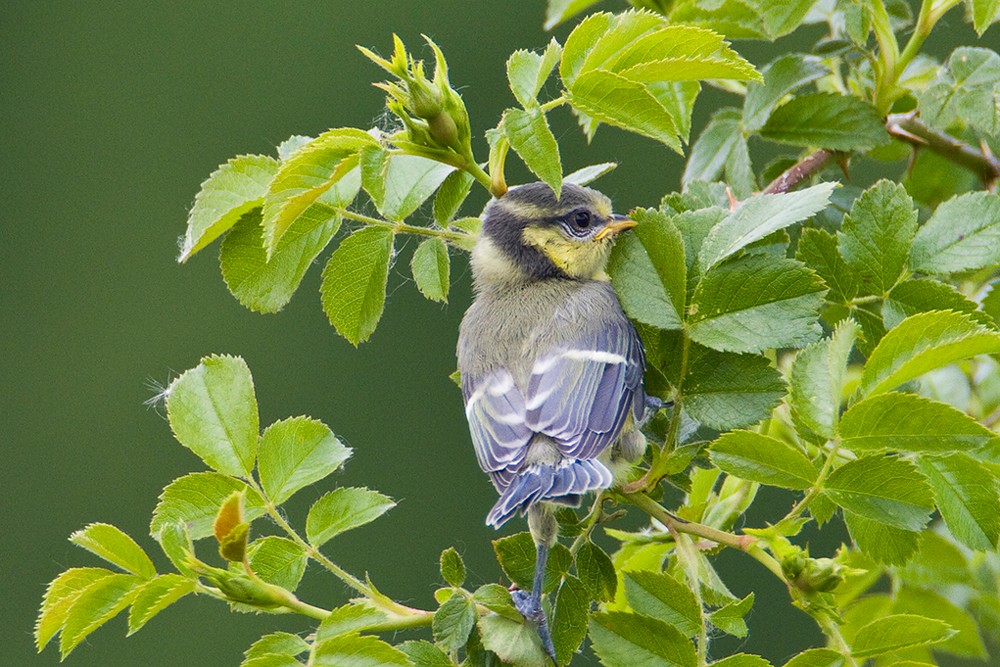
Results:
551 367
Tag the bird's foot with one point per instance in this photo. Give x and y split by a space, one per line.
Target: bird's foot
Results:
530 607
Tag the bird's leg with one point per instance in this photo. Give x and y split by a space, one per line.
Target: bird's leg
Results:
544 529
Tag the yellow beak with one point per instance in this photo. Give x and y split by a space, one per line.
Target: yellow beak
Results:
618 224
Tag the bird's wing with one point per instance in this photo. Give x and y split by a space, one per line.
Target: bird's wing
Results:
495 410
579 394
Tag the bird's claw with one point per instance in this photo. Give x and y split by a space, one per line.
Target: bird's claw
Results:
530 607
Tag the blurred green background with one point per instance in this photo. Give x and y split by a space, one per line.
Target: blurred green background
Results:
112 115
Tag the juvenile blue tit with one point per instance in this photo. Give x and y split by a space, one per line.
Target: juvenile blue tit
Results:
551 367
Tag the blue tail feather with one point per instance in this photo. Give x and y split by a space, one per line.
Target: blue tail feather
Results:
563 482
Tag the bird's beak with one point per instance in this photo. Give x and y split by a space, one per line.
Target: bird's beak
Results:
618 224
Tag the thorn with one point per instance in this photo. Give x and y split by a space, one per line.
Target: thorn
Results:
733 201
844 163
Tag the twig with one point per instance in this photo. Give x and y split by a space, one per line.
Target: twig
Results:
909 128
801 170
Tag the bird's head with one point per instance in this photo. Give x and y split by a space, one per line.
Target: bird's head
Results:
528 234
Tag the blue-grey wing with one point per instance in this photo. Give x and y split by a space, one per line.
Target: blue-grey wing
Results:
495 410
580 394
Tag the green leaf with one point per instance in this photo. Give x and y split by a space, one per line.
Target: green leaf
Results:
343 509
309 172
454 621
817 381
193 501
349 618
826 120
920 295
725 390
450 196
963 234
589 174
114 546
921 343
213 412
400 183
967 92
596 571
611 98
968 498
678 98
984 14
497 598
156 595
648 271
296 452
527 72
660 596
883 543
966 642
271 660
756 303
430 267
267 285
781 77
232 190
560 10
354 281
516 555
761 458
883 488
425 654
357 651
529 135
452 567
278 560
569 623
742 660
277 643
758 217
897 632
621 639
875 236
721 149
729 618
60 596
743 19
910 423
818 250
513 641
96 605
817 657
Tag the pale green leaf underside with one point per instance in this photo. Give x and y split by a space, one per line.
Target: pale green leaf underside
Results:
230 191
296 452
354 281
114 546
897 632
213 412
344 509
431 269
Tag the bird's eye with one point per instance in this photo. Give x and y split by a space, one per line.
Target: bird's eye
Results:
581 219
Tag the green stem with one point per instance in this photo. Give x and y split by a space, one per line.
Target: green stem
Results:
886 72
837 642
313 552
402 228
479 174
592 519
552 104
817 488
658 512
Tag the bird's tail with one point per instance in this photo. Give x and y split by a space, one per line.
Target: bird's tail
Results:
564 482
